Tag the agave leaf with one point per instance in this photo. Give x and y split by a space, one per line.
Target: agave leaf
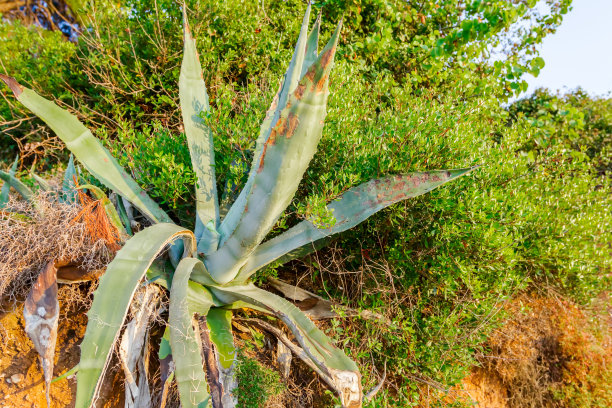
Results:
220 324
112 298
323 353
123 216
44 186
194 102
294 71
90 152
68 185
286 154
185 339
21 188
164 345
4 192
198 298
353 207
312 46
287 87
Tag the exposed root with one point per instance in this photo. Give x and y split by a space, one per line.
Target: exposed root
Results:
372 393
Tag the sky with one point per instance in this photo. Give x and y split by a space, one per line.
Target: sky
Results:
580 52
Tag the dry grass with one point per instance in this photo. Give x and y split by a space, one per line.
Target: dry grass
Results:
551 353
51 231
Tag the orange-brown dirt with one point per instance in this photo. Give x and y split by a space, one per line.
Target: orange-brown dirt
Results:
18 357
548 353
485 390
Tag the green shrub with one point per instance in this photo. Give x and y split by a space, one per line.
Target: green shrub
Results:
256 383
159 160
125 65
38 58
581 123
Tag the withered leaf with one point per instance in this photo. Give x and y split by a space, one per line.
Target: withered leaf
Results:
41 313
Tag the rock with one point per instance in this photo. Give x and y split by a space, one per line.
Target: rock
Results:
16 378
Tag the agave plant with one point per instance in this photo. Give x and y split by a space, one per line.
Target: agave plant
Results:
212 266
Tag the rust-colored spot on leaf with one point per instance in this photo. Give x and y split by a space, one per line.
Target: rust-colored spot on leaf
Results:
284 127
293 123
261 160
13 84
327 57
435 177
279 128
310 74
321 83
323 74
299 91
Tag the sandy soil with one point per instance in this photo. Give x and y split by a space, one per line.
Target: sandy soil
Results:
19 361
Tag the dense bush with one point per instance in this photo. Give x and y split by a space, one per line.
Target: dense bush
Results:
39 58
413 89
125 65
582 123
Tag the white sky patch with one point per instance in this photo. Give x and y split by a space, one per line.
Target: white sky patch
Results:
579 54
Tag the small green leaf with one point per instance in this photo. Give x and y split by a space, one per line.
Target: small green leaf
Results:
68 183
21 188
4 192
164 345
44 186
